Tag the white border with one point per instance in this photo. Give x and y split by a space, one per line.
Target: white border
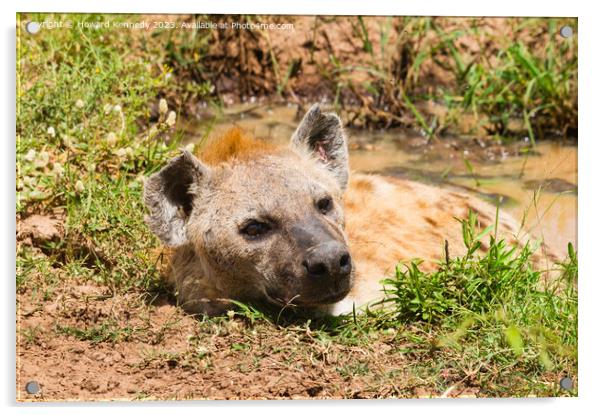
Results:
590 149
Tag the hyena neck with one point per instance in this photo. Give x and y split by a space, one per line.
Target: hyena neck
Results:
197 284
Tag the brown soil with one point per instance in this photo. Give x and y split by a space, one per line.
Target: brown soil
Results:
161 353
79 340
39 228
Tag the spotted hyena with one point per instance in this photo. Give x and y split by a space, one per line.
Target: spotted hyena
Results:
251 221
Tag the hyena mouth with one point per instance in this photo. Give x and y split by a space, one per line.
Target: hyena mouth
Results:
296 300
329 299
281 302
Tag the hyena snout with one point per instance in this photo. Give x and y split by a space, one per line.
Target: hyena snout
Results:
328 260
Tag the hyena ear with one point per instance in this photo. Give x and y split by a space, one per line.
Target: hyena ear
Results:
323 135
169 196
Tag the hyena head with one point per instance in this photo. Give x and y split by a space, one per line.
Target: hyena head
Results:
266 223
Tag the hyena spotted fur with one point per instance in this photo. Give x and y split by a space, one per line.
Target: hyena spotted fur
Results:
250 221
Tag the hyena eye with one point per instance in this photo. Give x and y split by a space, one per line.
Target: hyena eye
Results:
254 229
325 204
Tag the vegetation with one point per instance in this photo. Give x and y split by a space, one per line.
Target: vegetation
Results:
97 112
495 297
84 143
493 78
491 74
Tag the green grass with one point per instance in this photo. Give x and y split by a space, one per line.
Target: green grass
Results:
527 73
540 90
496 294
84 142
107 331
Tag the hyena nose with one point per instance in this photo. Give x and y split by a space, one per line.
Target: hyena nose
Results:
328 259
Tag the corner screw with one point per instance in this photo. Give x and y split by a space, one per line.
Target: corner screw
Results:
32 27
32 387
566 383
566 32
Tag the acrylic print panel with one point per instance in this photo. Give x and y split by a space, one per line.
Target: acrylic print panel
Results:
282 207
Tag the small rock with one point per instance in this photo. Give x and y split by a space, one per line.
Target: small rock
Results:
112 384
40 228
90 385
98 356
553 185
77 349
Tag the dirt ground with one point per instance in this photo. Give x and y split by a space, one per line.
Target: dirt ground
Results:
82 341
156 352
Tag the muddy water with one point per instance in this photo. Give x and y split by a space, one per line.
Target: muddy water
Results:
539 186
